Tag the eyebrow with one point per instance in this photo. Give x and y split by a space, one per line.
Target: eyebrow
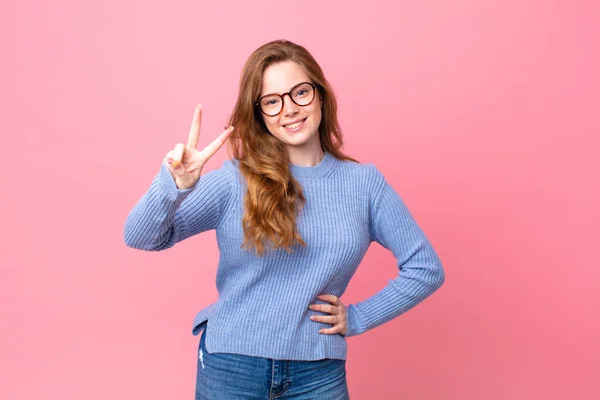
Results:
266 94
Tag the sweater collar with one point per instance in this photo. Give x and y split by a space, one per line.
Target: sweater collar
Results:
317 171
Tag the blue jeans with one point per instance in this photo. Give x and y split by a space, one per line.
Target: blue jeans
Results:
224 376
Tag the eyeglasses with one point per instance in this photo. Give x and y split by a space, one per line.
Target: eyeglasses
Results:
302 94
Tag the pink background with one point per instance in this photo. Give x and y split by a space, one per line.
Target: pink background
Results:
484 115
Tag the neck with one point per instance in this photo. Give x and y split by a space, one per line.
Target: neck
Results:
320 169
306 157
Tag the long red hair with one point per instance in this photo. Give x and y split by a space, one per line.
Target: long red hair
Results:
274 197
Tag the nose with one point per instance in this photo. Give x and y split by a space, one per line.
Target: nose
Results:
289 107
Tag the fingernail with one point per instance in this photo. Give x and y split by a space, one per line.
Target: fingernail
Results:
231 129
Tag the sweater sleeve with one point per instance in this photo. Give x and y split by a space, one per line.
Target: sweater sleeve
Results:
420 271
166 215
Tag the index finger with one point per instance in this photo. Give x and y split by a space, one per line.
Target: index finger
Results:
195 128
330 298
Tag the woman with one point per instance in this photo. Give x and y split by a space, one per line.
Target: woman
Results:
294 217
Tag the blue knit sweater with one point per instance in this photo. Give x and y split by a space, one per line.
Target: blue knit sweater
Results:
262 307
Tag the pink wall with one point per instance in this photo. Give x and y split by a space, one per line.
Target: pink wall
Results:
483 115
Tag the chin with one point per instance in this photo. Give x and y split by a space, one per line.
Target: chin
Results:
299 138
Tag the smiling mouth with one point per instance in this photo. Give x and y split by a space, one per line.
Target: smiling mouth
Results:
295 125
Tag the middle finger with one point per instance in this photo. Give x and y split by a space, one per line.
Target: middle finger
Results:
195 128
328 308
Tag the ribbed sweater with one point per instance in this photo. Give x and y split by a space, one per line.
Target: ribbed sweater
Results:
262 307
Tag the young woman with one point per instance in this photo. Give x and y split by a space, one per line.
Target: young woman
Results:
294 217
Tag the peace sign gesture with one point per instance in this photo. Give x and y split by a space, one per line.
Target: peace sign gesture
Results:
185 162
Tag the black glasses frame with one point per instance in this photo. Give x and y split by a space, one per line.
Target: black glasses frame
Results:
314 86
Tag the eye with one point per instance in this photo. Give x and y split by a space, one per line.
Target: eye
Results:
270 101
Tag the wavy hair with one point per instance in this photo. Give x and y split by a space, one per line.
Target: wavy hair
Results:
274 198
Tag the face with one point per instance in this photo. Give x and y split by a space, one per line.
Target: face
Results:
281 78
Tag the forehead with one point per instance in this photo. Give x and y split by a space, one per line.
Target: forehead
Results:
281 77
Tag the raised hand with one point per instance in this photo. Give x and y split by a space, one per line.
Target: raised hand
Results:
185 162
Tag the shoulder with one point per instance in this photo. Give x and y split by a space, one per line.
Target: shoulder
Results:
227 170
231 167
367 174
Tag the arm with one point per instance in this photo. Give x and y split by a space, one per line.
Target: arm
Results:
420 270
166 215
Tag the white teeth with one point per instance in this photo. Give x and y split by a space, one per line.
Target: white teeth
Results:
293 126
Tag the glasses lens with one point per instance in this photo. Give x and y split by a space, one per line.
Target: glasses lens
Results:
271 105
303 94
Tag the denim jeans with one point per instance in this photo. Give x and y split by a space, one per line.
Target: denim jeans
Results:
224 376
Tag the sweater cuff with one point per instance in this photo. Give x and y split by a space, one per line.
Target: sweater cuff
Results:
353 327
168 186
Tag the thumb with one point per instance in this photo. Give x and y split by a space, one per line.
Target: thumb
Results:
178 168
